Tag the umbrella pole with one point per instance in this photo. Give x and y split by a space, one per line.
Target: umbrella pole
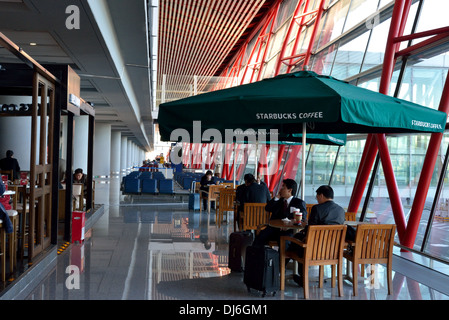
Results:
303 163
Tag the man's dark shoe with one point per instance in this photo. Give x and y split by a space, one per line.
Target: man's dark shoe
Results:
298 279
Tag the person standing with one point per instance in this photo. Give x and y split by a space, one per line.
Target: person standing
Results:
10 163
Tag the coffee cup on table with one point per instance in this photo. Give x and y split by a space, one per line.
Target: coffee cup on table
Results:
297 214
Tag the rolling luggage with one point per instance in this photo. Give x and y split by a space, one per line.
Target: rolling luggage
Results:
238 242
194 201
194 198
262 269
149 186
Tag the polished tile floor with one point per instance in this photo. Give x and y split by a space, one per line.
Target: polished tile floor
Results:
154 248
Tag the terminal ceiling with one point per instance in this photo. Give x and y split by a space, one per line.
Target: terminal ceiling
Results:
119 55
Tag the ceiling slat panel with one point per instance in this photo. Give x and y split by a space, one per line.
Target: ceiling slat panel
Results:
196 36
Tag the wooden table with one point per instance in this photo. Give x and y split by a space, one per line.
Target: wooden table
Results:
279 223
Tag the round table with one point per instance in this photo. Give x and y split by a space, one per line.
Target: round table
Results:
279 223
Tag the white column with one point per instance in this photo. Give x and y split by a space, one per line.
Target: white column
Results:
102 150
129 155
115 152
124 155
80 142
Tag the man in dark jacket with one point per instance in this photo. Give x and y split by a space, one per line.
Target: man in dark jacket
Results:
10 163
282 206
251 192
326 212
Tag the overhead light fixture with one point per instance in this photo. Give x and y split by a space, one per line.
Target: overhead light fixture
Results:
33 44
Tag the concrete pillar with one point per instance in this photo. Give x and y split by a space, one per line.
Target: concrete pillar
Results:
115 152
130 153
102 150
124 155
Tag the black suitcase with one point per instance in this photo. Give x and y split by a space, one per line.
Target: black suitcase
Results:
238 242
262 269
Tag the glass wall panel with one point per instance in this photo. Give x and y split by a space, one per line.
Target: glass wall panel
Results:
433 15
359 11
376 48
332 23
423 82
438 241
323 61
349 57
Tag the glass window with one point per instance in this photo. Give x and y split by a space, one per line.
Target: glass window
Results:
376 48
349 57
332 23
360 10
423 82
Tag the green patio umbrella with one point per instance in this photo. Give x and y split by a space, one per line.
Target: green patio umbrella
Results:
322 104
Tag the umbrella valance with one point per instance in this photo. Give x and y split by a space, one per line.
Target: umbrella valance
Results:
326 104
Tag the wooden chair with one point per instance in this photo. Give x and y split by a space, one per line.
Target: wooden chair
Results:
228 185
226 203
78 194
254 215
309 209
373 245
9 173
323 246
350 216
211 196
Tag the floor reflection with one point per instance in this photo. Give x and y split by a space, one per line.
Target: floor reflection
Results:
154 248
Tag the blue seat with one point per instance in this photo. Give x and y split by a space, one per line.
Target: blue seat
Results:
166 186
149 186
132 185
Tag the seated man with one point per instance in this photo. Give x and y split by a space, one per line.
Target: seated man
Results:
281 207
326 212
251 192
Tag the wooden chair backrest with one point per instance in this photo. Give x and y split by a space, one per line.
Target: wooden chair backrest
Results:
77 189
214 192
228 184
197 187
254 214
309 208
374 243
227 198
324 244
9 173
350 216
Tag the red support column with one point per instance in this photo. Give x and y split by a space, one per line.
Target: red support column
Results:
291 167
227 160
275 177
